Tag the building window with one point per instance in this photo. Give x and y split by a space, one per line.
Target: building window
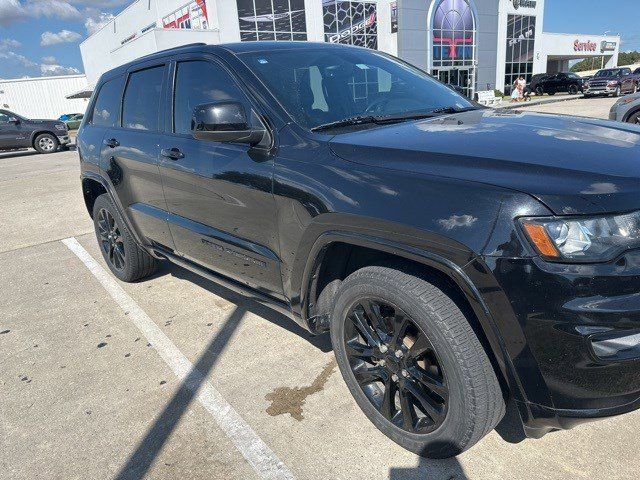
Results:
352 23
453 28
191 16
521 37
272 20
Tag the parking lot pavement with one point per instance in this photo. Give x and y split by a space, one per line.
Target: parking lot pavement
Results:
597 107
85 394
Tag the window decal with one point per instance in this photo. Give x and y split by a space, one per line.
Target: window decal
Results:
352 23
272 20
191 16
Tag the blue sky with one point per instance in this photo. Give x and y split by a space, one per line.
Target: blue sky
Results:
41 37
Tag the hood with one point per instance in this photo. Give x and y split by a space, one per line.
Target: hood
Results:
572 165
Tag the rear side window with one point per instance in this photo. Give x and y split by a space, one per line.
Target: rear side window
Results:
141 106
106 111
199 82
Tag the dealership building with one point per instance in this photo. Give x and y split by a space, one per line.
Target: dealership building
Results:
476 44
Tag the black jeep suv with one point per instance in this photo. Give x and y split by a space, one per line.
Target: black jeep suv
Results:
17 132
465 261
556 82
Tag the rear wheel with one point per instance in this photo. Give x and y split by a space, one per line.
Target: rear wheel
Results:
413 363
125 258
46 143
635 118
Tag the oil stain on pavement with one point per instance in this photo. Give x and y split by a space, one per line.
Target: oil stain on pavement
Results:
290 400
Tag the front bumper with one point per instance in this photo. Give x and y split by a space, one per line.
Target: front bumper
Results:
599 90
574 337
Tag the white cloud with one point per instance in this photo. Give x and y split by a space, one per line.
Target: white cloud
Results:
51 70
16 58
96 20
12 11
9 43
64 36
50 60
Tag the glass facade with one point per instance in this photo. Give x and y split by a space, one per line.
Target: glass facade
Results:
453 28
521 38
352 23
272 20
454 34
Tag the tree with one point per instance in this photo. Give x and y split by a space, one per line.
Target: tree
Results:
625 58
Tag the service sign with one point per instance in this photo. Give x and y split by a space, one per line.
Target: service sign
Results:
581 46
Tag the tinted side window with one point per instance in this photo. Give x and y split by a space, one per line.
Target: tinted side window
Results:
199 82
142 99
106 111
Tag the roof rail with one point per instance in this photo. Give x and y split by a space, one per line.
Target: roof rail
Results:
179 47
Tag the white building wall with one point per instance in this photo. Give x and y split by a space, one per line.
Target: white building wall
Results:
43 97
130 35
507 8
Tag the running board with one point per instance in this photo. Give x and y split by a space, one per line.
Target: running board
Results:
261 298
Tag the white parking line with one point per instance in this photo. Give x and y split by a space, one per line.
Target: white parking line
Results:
253 449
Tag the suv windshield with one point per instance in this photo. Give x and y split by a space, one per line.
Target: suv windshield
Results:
319 87
608 73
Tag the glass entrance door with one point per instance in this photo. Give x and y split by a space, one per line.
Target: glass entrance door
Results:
460 77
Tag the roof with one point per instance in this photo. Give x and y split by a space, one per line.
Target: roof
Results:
233 48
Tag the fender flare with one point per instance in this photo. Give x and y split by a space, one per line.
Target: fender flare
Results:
445 266
88 175
629 113
34 134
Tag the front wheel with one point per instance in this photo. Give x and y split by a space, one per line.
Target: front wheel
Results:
124 257
635 118
46 143
573 90
539 91
413 363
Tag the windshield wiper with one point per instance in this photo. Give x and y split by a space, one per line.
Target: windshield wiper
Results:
384 120
357 120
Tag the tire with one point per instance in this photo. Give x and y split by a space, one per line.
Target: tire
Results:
46 143
123 255
551 92
635 118
573 90
467 393
539 91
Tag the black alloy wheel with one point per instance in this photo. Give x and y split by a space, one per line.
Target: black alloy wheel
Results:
396 366
111 240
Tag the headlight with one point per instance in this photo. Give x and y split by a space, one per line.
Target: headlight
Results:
595 239
61 126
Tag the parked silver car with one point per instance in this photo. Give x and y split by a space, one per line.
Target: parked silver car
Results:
627 109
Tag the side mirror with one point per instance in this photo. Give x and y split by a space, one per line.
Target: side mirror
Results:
224 122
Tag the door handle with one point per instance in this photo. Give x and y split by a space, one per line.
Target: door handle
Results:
172 153
112 143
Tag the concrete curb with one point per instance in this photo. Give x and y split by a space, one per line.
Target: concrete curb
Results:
540 102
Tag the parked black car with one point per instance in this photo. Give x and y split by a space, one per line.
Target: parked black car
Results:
463 259
17 132
606 82
556 82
